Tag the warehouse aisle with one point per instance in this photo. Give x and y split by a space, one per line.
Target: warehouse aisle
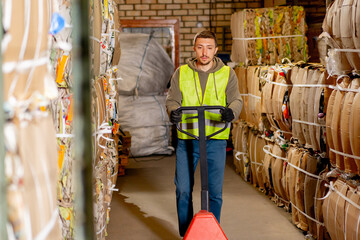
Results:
145 208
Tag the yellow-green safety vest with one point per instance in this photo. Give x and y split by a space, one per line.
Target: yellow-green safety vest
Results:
214 96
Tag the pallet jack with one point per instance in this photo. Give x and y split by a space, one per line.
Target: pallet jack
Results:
204 225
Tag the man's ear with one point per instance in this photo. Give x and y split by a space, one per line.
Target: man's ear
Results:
216 49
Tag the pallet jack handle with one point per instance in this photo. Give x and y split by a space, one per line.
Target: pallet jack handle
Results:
202 147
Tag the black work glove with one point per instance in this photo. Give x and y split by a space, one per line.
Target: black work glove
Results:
175 116
227 114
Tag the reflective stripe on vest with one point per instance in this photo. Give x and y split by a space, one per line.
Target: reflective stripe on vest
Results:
192 96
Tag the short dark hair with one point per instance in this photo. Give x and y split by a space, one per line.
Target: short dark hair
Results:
205 34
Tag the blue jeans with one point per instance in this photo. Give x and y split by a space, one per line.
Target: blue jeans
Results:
187 157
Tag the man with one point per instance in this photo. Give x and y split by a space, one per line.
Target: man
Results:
204 80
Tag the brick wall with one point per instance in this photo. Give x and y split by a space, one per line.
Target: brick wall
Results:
214 14
189 12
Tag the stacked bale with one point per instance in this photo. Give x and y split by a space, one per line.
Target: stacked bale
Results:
29 135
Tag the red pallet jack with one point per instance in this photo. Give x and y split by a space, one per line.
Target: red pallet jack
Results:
204 225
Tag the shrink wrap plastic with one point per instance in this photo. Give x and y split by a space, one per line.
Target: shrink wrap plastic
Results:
146 119
144 67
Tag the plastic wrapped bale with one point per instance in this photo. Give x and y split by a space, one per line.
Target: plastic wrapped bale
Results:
144 66
146 119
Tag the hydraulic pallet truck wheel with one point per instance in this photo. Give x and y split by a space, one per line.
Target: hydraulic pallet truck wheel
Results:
204 225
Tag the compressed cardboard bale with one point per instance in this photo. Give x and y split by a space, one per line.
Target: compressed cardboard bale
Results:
335 122
320 192
280 100
239 47
354 129
329 117
305 101
346 32
350 164
352 215
294 155
40 175
299 192
257 98
240 135
336 26
310 191
268 181
295 102
250 78
319 114
117 50
96 33
311 110
252 142
24 67
241 74
259 158
356 24
334 211
278 169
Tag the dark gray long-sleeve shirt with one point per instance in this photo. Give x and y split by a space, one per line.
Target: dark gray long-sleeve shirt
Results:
233 98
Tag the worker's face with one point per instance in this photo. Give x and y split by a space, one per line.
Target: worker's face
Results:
205 50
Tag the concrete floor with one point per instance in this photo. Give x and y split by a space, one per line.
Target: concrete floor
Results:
145 207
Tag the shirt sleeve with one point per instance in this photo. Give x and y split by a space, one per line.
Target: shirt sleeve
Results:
174 96
233 97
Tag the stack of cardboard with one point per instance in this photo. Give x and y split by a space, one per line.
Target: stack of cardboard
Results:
29 131
341 29
306 121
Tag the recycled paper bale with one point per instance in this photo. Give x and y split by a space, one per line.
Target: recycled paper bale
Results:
354 130
299 192
320 193
310 191
311 111
146 119
352 215
329 117
255 35
40 175
268 180
259 156
241 160
337 62
254 102
238 48
252 157
346 32
335 122
295 102
294 155
349 162
278 170
319 117
26 27
144 66
280 100
356 24
243 89
334 210
304 105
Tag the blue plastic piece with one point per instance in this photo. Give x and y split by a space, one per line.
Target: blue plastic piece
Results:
57 23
